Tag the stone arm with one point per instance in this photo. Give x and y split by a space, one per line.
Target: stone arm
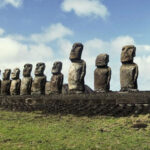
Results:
61 81
109 75
18 86
83 71
136 73
30 84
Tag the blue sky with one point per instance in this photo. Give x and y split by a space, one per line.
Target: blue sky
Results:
44 30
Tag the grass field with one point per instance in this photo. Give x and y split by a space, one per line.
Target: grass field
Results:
37 131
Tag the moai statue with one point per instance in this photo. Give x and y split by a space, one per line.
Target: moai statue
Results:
102 74
56 83
26 82
0 83
38 84
128 70
16 82
6 82
77 70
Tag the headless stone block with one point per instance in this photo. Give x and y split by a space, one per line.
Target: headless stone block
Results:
16 82
56 83
26 82
38 84
128 70
5 86
77 70
102 74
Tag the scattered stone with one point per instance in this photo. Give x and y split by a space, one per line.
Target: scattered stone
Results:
139 125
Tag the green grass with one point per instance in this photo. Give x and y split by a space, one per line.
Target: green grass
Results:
36 131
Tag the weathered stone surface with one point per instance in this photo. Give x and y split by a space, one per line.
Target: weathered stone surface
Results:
16 82
5 86
128 53
87 90
0 83
128 77
57 67
48 88
77 73
38 84
102 74
26 82
77 70
128 70
112 103
76 52
56 83
102 60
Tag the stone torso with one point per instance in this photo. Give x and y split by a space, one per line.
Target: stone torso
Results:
76 76
38 85
15 87
128 76
5 87
26 86
56 83
101 79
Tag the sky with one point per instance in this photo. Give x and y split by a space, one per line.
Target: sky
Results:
33 31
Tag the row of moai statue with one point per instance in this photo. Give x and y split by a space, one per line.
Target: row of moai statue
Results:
102 75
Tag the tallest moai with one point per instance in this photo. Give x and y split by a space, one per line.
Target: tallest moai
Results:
77 70
129 69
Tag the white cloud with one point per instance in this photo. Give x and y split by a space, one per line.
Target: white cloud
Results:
85 8
54 32
14 3
2 31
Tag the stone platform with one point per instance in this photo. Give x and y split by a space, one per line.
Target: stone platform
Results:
112 103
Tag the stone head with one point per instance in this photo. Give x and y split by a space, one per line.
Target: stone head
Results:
102 60
57 66
27 70
39 70
128 53
76 52
6 74
15 74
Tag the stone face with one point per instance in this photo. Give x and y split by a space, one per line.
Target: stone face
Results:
76 52
128 70
38 84
27 70
56 83
128 53
77 73
102 74
5 86
16 82
102 60
26 82
57 67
